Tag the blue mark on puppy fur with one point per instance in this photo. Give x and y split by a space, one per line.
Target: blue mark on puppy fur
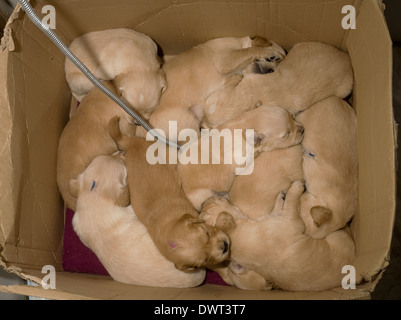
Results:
93 185
309 154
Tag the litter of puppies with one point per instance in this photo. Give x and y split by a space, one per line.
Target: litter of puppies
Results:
281 224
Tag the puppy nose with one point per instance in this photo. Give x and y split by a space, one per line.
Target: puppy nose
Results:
225 247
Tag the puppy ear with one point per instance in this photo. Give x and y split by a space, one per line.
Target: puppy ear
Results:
225 222
75 187
258 138
321 215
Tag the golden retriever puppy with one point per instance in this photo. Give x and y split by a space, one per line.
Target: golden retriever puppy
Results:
219 212
161 205
194 74
109 227
330 166
275 252
126 56
86 136
312 71
274 171
274 128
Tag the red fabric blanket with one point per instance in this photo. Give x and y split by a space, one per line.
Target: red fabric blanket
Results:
79 258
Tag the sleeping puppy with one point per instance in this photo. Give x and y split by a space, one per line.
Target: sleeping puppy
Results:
274 128
194 74
274 171
161 205
108 226
330 166
125 56
275 252
220 212
86 136
311 72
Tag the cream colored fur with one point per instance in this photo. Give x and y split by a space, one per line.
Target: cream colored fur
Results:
161 205
194 74
311 72
274 128
86 136
275 252
126 56
330 166
114 233
274 171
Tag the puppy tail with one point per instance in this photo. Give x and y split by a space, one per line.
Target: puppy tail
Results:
115 132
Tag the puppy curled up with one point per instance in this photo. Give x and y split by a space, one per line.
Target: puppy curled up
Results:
124 55
161 205
273 128
311 71
274 171
107 224
86 136
330 165
194 74
275 253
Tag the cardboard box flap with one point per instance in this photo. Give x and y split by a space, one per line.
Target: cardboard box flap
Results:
371 43
86 286
31 211
179 25
6 175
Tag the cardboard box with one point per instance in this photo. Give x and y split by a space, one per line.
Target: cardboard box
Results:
34 108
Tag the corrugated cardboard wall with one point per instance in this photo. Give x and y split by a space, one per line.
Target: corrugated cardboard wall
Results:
376 139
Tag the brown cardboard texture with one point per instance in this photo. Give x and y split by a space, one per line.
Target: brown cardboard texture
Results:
34 108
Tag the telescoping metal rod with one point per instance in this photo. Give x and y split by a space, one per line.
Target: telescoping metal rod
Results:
67 52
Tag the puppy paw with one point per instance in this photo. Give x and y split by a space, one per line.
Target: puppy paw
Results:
297 187
211 210
272 54
276 57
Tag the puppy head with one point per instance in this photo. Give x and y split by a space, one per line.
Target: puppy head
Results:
275 128
217 211
105 176
142 91
196 244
